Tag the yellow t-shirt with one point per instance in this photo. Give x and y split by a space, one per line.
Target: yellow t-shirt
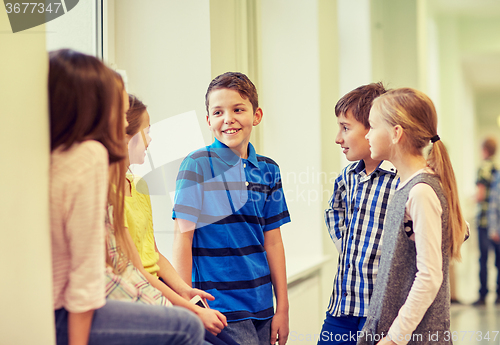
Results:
139 221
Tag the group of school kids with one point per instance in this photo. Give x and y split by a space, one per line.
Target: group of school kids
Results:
236 253
229 206
396 222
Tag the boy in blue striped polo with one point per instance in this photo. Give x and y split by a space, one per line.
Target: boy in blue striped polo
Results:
228 209
355 218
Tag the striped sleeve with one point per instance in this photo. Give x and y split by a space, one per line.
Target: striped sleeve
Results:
86 236
275 209
78 199
188 198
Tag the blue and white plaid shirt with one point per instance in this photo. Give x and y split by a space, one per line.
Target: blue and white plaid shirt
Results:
355 220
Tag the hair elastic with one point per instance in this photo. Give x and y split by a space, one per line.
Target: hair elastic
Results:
435 138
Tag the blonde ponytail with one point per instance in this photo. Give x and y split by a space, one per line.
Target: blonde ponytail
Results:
439 161
416 114
116 196
116 199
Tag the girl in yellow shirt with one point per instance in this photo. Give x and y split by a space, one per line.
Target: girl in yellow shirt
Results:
139 221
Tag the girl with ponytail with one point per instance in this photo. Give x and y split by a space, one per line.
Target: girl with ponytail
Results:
424 226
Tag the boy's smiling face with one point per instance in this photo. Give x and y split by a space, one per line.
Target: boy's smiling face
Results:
231 118
351 137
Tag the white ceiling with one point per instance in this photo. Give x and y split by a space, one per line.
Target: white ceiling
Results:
476 8
481 70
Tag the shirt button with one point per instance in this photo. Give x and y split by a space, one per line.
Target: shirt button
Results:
246 183
345 293
348 265
244 165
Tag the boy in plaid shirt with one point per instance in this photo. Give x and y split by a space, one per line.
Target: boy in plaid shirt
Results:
355 218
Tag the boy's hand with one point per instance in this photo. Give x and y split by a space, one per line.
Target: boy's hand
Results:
495 237
213 320
197 292
279 328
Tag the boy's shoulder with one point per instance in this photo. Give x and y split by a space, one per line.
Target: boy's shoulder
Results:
261 160
486 171
352 167
200 158
487 165
384 168
266 160
202 152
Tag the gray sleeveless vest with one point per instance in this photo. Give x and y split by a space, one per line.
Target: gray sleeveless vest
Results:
397 271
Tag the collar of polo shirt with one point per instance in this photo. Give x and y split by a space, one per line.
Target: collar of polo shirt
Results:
229 157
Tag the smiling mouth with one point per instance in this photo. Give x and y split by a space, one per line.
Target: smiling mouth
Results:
231 131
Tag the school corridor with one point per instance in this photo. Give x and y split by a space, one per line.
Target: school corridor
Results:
302 55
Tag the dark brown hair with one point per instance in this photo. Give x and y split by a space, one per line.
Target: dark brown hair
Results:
85 100
234 81
359 101
86 103
134 115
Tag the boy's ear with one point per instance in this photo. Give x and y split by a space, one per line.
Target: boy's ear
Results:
208 122
257 117
397 134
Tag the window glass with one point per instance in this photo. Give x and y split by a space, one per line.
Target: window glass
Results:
77 28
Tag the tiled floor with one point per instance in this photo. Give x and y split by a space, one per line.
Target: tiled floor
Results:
474 325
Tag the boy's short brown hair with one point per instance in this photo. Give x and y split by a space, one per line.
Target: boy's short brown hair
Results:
359 101
490 146
234 81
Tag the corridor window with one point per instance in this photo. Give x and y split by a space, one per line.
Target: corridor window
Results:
79 28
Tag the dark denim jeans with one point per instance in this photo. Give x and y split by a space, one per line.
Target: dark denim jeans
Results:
128 323
485 243
340 330
250 332
221 339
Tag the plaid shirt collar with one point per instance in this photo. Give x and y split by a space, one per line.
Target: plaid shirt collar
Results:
384 166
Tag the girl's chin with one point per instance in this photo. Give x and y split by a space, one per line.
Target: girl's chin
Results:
137 161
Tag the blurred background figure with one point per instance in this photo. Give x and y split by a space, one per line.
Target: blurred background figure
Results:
484 183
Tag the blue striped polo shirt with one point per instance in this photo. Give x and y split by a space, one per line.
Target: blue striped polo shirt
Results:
233 201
